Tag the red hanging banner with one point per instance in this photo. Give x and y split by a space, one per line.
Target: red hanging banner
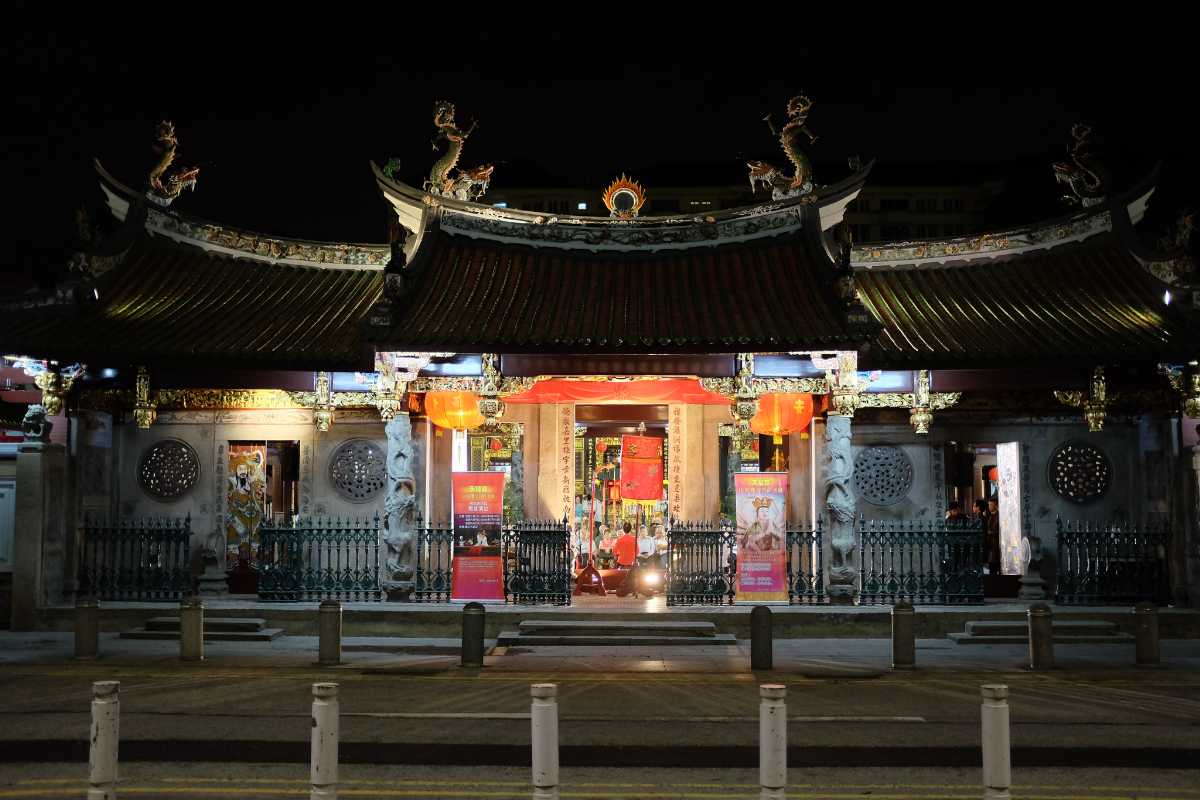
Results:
641 468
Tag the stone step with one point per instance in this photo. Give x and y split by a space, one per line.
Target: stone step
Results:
263 635
620 628
515 639
1020 628
1112 638
219 624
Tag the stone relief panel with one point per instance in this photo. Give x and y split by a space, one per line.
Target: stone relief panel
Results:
1079 472
168 469
883 474
358 470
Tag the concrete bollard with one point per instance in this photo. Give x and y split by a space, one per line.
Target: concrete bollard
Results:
997 754
191 629
904 643
772 741
471 654
106 734
762 642
329 626
324 759
87 629
543 717
1145 617
1041 636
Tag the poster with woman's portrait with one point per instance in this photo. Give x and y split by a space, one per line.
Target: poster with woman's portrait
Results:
761 536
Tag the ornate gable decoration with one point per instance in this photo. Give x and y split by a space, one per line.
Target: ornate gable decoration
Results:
624 198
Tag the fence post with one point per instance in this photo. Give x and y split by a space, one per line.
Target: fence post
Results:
544 720
87 629
191 629
324 758
904 644
471 653
102 756
1041 636
997 756
772 741
762 642
1145 616
329 622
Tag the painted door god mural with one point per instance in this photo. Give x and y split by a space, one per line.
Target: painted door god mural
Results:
245 498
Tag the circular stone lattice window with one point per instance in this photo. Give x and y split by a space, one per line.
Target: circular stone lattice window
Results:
357 470
883 475
168 469
1079 472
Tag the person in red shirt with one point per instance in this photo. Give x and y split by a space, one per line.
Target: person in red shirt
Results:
626 547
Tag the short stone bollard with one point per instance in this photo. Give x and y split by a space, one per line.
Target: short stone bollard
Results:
997 754
324 759
87 629
762 639
329 626
772 741
543 715
471 653
1041 636
106 734
1145 617
904 643
191 629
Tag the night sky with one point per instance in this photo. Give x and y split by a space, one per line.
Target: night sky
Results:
283 119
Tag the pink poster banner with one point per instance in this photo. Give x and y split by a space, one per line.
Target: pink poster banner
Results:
761 536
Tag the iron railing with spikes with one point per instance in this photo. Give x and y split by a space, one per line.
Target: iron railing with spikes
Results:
1103 563
136 559
921 561
537 563
319 559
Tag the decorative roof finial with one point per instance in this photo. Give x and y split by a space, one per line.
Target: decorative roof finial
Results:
163 188
800 182
464 184
624 198
1087 180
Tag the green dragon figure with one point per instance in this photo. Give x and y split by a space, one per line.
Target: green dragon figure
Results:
800 182
465 184
1085 177
163 188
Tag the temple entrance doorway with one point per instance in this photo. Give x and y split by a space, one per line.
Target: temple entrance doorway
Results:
986 489
263 486
621 499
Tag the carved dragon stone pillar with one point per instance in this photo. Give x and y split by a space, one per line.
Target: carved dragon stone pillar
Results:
840 503
399 504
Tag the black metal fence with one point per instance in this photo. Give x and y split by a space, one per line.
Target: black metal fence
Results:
922 561
318 559
1116 563
136 559
806 564
701 563
536 558
537 563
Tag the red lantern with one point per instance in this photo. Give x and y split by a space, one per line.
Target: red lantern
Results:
754 445
782 413
601 447
455 410
993 474
494 444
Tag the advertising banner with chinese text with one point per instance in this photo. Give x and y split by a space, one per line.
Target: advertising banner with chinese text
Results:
477 572
761 536
641 468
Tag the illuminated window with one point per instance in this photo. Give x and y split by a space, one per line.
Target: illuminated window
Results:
581 206
501 204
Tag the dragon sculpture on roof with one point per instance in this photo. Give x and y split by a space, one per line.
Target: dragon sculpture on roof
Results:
800 182
1087 180
464 184
163 188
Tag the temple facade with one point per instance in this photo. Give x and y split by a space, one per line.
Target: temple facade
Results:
206 390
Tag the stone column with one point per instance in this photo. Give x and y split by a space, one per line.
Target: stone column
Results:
399 505
40 531
1192 535
840 504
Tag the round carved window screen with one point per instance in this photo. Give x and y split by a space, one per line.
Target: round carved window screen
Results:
168 469
883 475
1079 472
357 470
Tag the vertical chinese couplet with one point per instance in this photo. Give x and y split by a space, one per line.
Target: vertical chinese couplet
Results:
675 465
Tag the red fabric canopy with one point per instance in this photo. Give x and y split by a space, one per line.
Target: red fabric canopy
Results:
668 390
